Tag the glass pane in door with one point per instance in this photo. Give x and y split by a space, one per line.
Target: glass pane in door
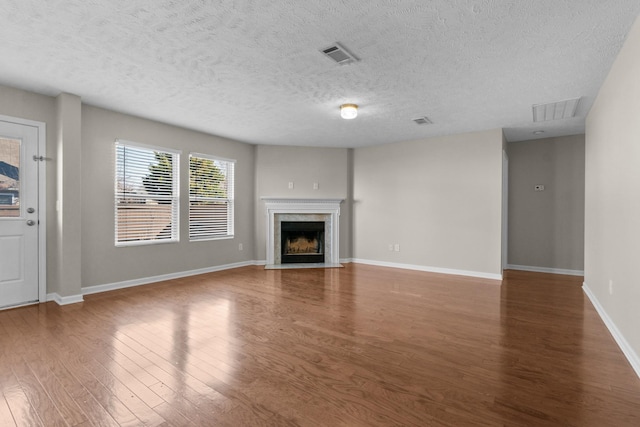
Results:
9 177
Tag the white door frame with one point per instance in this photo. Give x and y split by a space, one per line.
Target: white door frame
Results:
42 199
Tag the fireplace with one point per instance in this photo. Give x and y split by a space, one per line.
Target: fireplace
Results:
321 247
302 241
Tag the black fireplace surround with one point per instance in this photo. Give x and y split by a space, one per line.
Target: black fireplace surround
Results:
302 242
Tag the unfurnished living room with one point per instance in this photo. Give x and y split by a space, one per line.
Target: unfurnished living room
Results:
319 213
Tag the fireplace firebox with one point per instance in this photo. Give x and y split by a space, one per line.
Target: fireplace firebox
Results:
302 242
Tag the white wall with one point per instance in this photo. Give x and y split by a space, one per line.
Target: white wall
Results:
612 202
102 262
439 199
276 166
546 228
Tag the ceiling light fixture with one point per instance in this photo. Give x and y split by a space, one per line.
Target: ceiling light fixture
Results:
348 111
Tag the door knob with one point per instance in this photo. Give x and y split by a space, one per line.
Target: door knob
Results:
31 222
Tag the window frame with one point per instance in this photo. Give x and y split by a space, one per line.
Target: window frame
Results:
229 200
174 196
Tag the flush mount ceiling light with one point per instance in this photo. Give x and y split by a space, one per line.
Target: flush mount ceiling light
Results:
348 111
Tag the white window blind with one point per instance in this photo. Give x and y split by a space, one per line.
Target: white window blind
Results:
211 195
146 194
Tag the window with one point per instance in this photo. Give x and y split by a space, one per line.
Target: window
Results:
10 177
210 197
146 194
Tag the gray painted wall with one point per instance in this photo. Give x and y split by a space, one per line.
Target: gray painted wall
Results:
546 228
439 199
69 165
612 187
102 262
276 166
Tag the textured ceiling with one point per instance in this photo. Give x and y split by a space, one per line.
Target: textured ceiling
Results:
252 70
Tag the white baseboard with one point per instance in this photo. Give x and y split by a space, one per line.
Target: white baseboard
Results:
64 300
629 353
153 279
545 270
479 274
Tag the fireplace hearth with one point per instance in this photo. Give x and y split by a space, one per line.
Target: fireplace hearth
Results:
302 241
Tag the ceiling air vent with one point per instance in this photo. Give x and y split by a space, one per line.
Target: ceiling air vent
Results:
556 110
339 54
423 120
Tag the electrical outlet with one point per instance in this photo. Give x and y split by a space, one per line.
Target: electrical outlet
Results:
240 246
396 247
610 287
290 185
390 247
538 187
316 186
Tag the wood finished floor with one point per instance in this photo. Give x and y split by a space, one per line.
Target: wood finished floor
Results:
357 346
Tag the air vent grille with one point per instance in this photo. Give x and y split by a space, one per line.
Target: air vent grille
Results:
556 110
423 120
339 54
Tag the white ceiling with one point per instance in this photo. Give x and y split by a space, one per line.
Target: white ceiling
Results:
253 71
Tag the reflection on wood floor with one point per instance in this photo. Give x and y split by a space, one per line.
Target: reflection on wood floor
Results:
355 346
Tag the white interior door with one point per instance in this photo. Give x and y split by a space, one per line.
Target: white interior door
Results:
19 214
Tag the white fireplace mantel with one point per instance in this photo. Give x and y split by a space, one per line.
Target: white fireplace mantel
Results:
305 208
